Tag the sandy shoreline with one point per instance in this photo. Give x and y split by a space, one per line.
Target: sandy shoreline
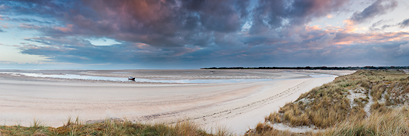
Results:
235 106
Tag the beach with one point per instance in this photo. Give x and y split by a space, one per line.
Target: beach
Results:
230 100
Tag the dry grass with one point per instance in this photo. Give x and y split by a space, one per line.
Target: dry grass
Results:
328 106
262 129
110 128
393 123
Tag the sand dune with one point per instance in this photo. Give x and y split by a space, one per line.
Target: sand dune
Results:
236 106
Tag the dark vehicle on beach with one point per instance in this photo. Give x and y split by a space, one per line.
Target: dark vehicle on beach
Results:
131 78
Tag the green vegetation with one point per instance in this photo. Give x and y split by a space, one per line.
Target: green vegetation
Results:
366 103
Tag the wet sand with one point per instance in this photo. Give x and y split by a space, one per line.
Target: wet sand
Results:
235 106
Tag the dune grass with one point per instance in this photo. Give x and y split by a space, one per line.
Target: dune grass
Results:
334 110
392 123
110 128
329 104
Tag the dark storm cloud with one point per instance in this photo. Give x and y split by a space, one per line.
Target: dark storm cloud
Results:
171 23
323 48
194 32
379 7
161 24
277 13
154 22
221 16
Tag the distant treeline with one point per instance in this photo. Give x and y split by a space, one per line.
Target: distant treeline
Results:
312 68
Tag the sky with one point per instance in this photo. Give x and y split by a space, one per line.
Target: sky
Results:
189 34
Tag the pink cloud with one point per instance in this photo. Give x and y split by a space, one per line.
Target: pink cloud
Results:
66 29
29 26
185 50
141 45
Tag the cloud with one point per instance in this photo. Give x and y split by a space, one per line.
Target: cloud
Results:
378 23
374 26
277 13
326 39
379 7
82 51
312 47
404 23
1 30
404 49
201 33
171 23
25 20
2 7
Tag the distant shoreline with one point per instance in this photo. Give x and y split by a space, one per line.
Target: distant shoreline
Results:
317 68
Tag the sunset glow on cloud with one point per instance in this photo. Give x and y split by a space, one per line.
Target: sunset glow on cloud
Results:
195 33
